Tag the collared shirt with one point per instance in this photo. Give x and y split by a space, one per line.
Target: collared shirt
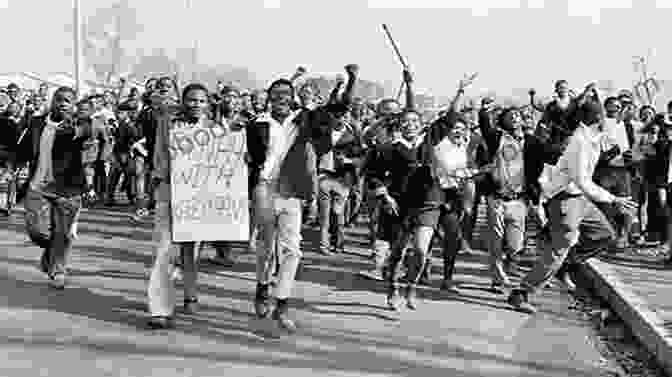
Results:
574 171
281 138
617 135
509 165
450 163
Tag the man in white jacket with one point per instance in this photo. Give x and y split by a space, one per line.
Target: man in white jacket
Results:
574 221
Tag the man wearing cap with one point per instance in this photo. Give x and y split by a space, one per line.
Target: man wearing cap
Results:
614 173
125 135
574 220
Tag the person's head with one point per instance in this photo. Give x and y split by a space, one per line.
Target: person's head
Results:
127 111
230 99
110 98
165 86
511 121
281 97
63 103
410 124
387 107
562 88
667 132
13 109
43 90
13 91
308 93
195 101
612 107
646 113
458 128
591 114
357 107
97 101
669 107
84 109
4 102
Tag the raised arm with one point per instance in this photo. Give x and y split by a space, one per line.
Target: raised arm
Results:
410 93
353 72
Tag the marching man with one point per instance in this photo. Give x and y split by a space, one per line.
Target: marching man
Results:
574 220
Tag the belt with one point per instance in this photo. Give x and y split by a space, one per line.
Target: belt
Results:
509 197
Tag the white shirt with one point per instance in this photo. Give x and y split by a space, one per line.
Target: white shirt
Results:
450 163
281 138
616 135
574 170
509 169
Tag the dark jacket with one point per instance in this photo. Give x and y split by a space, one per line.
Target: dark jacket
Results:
659 166
9 134
535 154
68 171
300 165
125 135
407 173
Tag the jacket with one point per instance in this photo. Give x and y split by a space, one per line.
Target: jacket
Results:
68 171
299 168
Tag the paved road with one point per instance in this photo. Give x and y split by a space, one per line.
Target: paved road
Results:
96 326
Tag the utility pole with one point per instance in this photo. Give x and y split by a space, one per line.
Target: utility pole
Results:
77 36
194 46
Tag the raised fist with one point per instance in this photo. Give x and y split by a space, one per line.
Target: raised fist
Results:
301 70
532 92
408 76
352 69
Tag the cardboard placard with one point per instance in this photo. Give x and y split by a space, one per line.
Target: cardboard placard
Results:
209 196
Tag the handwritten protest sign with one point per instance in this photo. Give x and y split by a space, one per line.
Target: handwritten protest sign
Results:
209 197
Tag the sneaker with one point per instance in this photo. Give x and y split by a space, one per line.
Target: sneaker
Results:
160 322
57 281
518 299
191 305
449 286
283 320
394 300
262 302
411 296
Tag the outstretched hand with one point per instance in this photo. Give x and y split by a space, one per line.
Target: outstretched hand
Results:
467 81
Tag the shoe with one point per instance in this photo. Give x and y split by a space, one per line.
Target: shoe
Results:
394 300
567 282
160 322
44 263
325 252
57 281
449 286
262 302
191 305
283 320
518 299
411 295
497 287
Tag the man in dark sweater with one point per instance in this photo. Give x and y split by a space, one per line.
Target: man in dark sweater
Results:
53 144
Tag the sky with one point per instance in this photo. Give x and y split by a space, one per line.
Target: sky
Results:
510 43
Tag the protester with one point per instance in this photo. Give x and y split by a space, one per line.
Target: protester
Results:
574 221
53 145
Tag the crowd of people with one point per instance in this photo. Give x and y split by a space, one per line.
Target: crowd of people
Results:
593 172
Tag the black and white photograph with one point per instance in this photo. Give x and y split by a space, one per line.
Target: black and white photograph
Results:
360 188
